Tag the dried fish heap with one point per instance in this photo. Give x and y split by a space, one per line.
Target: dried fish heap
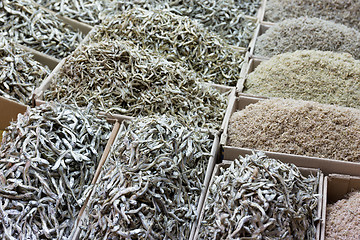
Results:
179 39
257 197
325 77
119 77
20 73
298 34
297 127
224 17
150 186
48 159
86 11
30 25
345 12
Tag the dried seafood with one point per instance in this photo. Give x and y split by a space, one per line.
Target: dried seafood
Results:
119 77
30 25
179 39
298 127
48 159
257 197
325 77
20 73
150 186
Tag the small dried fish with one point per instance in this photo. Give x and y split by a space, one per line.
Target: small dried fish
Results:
179 39
257 197
28 24
119 77
48 159
19 72
150 186
86 11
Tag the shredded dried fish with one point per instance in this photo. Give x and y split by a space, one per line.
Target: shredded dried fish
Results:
119 77
257 197
179 39
150 186
30 25
48 159
20 74
325 77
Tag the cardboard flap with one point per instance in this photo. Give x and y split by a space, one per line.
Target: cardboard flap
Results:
9 111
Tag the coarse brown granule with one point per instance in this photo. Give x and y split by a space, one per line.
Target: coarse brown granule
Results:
298 127
308 34
325 77
343 218
346 12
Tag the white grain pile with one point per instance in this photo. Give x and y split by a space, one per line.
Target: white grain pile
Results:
298 127
308 34
346 12
325 77
343 218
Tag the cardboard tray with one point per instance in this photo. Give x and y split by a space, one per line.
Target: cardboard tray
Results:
227 163
327 166
9 111
210 167
253 62
260 30
335 188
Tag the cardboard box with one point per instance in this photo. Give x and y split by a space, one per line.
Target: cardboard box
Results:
247 69
227 163
260 30
209 171
327 166
44 59
335 188
9 111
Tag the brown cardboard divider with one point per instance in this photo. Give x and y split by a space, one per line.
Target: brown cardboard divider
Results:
44 59
248 68
9 111
327 166
336 186
227 163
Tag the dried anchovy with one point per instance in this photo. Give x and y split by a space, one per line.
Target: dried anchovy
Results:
223 17
119 77
48 159
179 39
151 184
19 72
257 197
86 11
30 25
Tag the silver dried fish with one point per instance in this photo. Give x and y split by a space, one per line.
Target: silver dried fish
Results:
48 159
257 197
119 77
150 186
27 23
20 74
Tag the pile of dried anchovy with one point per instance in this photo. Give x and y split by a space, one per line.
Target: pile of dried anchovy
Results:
30 25
257 197
298 34
179 39
48 159
86 11
325 77
224 17
119 77
151 184
19 72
